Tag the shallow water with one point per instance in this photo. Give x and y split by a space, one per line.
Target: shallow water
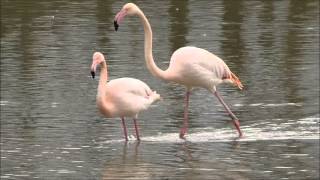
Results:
51 129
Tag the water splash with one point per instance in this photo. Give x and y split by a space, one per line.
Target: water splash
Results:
255 132
269 105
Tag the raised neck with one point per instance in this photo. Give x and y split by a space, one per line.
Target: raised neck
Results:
152 67
103 79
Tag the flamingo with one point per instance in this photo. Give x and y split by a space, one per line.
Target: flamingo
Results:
123 97
189 66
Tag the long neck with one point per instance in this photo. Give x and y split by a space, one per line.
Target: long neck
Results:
153 68
104 106
103 80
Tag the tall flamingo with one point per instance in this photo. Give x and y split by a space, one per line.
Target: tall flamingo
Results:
189 66
123 97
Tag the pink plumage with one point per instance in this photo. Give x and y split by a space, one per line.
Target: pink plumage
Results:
123 97
189 66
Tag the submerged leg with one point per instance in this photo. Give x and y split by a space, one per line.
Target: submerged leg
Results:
136 128
233 117
124 129
184 128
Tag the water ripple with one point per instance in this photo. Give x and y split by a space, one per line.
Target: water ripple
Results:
254 133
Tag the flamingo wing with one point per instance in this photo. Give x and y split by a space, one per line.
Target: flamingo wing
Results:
129 96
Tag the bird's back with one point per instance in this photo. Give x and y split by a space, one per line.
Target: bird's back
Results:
194 66
127 85
128 96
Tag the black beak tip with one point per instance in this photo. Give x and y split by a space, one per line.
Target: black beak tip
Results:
93 74
116 25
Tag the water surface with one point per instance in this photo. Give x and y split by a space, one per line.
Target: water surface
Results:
51 128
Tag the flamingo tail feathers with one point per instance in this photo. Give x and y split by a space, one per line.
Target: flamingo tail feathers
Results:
155 96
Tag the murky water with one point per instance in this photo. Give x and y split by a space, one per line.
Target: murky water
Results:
51 129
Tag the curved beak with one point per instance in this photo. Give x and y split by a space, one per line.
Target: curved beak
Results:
116 25
93 70
118 18
93 74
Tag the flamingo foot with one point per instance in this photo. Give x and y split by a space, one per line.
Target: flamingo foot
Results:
138 138
236 123
182 133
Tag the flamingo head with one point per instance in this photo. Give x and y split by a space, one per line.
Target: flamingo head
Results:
127 9
97 59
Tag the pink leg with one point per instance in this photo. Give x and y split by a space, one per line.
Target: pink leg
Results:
234 118
136 128
124 129
184 128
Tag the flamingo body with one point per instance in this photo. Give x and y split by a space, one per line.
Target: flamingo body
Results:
126 97
123 97
196 67
189 66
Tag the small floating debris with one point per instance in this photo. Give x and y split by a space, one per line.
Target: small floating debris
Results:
283 167
71 148
65 171
77 161
54 104
3 103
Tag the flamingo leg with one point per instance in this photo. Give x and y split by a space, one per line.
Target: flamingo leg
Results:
184 128
136 128
124 129
233 117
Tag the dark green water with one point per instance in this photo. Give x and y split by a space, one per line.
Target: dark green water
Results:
51 128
